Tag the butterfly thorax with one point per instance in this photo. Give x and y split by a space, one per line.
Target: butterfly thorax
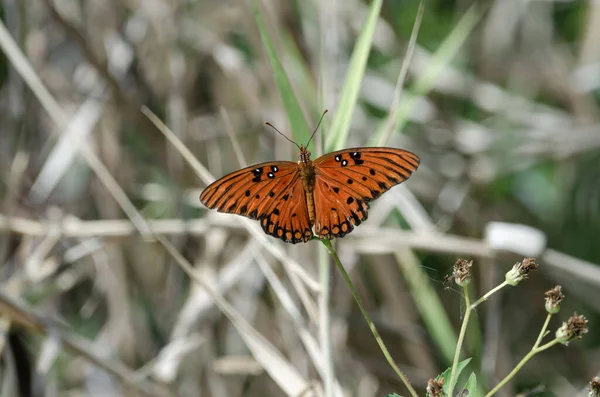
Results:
307 176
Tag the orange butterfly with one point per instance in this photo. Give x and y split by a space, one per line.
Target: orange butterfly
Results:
331 193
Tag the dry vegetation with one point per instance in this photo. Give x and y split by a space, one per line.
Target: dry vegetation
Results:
116 281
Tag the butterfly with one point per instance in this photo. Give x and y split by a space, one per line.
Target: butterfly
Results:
331 193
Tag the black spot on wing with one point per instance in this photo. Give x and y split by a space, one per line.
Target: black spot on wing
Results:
257 172
356 158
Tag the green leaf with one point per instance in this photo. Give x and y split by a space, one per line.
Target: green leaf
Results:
470 386
393 395
298 123
446 374
340 126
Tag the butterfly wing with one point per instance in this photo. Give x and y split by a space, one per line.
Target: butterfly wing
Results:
270 192
348 179
287 217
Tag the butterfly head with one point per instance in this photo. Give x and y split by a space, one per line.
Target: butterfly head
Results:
304 156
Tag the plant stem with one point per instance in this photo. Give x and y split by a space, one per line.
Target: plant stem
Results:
543 331
532 353
490 293
325 323
358 300
535 350
461 337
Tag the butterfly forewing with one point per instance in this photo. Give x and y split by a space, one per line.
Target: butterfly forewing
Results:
250 191
348 179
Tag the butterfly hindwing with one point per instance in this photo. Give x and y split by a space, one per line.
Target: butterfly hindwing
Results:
337 208
270 192
348 179
287 217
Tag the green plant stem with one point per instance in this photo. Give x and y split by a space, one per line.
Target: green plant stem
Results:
461 337
358 300
325 323
490 293
543 331
532 353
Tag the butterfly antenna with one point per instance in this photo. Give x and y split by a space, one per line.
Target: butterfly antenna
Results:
280 133
316 129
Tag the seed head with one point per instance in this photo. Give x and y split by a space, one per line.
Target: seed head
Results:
554 297
594 387
575 327
435 387
520 270
462 272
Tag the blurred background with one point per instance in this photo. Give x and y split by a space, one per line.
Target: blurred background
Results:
502 110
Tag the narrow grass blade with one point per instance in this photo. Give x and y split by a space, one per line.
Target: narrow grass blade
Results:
298 123
439 61
392 121
340 126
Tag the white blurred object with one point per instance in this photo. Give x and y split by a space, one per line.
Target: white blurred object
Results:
586 78
473 138
166 366
514 237
51 348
